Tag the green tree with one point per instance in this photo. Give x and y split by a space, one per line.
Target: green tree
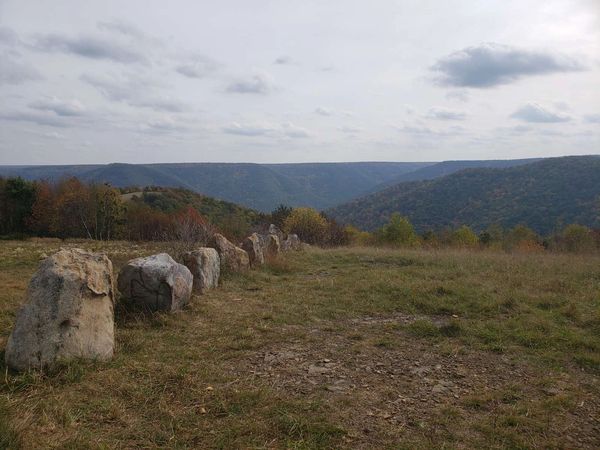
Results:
399 231
108 210
577 238
16 200
464 237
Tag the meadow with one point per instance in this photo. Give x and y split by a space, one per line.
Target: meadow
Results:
339 348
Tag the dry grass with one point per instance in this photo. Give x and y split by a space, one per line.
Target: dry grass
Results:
348 348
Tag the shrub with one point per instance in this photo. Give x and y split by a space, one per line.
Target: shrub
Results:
308 224
576 239
464 237
358 237
399 232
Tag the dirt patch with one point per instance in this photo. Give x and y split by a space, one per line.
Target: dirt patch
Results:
383 395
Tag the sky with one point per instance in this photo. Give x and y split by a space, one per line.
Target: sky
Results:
144 81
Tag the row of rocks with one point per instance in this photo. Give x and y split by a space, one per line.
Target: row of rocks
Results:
69 312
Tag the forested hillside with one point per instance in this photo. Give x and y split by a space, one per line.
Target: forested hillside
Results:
259 186
543 195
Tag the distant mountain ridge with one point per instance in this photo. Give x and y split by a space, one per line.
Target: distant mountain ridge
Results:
259 186
544 195
449 167
264 186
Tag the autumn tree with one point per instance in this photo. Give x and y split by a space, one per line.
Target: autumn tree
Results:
108 211
576 239
74 214
308 224
464 237
43 211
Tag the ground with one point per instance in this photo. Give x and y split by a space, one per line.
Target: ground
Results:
345 348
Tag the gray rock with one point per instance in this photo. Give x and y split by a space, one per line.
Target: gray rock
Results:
156 283
277 232
233 258
205 266
69 312
273 248
291 243
253 246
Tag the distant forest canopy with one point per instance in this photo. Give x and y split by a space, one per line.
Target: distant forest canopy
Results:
71 208
545 195
260 186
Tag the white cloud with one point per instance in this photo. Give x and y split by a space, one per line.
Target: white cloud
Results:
532 112
440 113
257 84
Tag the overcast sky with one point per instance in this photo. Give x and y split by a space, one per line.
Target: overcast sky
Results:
86 81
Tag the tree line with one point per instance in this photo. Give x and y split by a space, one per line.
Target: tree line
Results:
71 208
399 232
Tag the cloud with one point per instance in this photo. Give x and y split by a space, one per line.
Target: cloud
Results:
122 28
89 47
461 95
592 118
134 91
283 60
534 113
349 129
8 37
420 131
13 71
34 117
257 84
249 130
323 111
54 135
440 113
491 65
198 66
288 130
59 107
162 124
292 131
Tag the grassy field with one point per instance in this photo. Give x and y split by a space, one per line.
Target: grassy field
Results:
346 348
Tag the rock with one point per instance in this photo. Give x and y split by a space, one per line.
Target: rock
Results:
272 246
253 246
205 266
233 258
291 243
276 231
156 283
69 312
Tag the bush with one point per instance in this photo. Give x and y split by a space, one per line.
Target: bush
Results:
521 238
576 239
358 237
308 224
464 237
398 232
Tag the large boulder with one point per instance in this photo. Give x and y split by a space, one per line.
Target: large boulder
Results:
156 283
292 242
205 265
68 314
253 246
272 246
273 229
233 259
